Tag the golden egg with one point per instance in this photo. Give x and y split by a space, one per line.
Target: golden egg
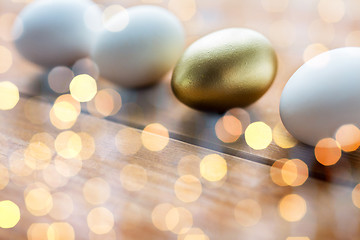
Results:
229 68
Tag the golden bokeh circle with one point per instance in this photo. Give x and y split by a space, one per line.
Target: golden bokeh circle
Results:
9 214
258 135
292 207
213 167
9 95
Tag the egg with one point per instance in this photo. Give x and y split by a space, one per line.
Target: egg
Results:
323 95
139 52
56 32
229 68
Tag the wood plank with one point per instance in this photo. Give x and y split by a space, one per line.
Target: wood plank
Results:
327 204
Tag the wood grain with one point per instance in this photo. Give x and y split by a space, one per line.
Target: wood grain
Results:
327 204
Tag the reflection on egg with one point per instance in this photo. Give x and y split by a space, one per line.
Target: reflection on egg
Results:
229 68
55 32
322 96
140 52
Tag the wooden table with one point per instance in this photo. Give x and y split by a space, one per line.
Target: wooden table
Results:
149 194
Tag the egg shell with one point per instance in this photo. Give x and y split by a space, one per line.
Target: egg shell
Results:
229 68
142 52
323 95
55 32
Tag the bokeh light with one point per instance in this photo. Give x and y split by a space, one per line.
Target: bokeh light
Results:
213 167
111 235
59 79
86 66
83 88
353 39
184 9
53 178
38 231
88 146
228 129
107 102
348 136
63 206
258 135
40 150
158 215
45 138
321 32
68 167
355 196
4 176
289 172
18 165
179 220
6 31
155 137
60 231
9 214
100 220
297 238
92 18
331 11
247 212
68 144
189 165
96 191
193 234
327 151
313 50
294 172
317 62
152 1
282 137
292 207
187 188
9 94
6 59
242 115
38 201
65 112
276 172
275 5
115 18
133 177
37 155
128 141
282 33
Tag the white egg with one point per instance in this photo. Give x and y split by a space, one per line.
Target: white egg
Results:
323 95
56 32
139 46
